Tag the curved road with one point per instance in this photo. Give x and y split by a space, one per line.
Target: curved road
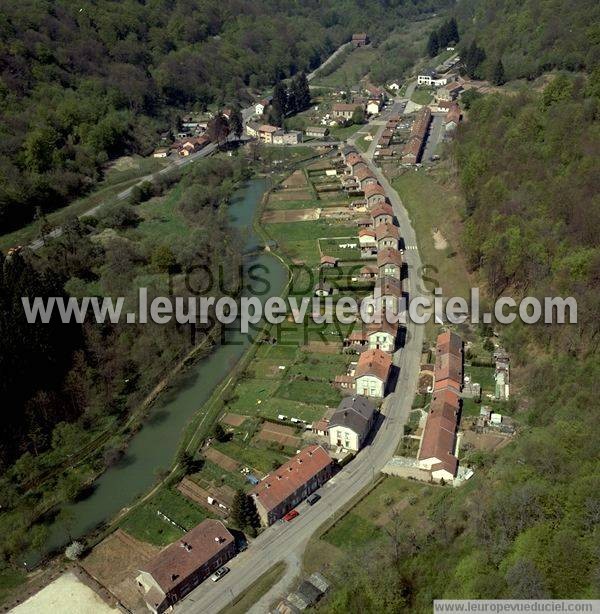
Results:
287 541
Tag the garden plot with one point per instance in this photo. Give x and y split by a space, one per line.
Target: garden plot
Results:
296 180
291 194
233 419
290 215
279 433
342 248
222 460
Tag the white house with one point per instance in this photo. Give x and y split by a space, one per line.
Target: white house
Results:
383 336
371 374
394 86
351 422
373 107
261 105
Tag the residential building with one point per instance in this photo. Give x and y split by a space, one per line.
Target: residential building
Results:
386 235
382 336
363 176
448 369
161 152
328 262
389 291
426 77
293 137
353 160
344 110
252 129
437 451
351 423
394 86
367 242
373 106
346 151
360 39
449 91
181 567
374 195
389 262
452 118
280 491
317 132
368 271
382 214
261 106
372 372
266 133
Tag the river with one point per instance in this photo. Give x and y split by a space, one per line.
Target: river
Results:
153 448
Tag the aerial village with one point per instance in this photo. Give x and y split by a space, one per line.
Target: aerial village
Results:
300 412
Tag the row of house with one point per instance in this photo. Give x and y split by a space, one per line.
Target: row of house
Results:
380 237
272 135
413 150
438 453
183 147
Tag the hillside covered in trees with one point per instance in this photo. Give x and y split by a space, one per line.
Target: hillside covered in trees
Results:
533 36
82 83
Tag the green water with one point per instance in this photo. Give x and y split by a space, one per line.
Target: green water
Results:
154 446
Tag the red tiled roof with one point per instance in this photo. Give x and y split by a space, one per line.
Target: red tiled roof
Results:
366 232
345 106
276 487
176 563
362 171
448 361
328 260
354 158
372 189
388 286
383 231
374 362
368 269
389 255
268 128
382 209
383 327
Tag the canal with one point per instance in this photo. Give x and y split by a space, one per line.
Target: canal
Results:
153 448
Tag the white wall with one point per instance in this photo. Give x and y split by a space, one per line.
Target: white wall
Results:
348 438
370 386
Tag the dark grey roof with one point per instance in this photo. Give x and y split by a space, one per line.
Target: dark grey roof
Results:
355 413
348 149
310 592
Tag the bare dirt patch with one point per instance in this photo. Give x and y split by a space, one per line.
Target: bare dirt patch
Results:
324 347
279 433
439 241
114 563
283 195
484 441
234 419
124 163
290 215
296 180
224 461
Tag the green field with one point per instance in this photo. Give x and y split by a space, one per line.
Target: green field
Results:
422 96
144 522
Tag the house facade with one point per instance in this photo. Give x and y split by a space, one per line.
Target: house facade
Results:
280 491
374 195
389 262
181 567
351 423
372 372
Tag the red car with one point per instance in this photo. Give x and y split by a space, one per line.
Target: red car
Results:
291 515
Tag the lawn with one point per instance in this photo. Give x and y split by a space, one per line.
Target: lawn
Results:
361 143
483 376
218 476
309 392
144 522
352 531
422 96
432 208
341 133
10 579
356 65
333 247
259 457
246 599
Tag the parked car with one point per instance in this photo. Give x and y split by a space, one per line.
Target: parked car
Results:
291 515
219 574
313 498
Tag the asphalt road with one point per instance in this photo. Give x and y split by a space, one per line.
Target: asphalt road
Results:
287 541
434 137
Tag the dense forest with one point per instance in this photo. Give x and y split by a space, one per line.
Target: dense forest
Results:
533 36
82 83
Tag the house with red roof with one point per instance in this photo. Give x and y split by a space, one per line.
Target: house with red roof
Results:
283 489
372 372
374 195
182 566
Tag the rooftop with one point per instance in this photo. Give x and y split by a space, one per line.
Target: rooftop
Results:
374 362
276 487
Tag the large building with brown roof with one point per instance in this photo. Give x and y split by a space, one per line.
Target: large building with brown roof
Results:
280 491
382 214
389 262
448 371
182 566
374 194
387 235
372 372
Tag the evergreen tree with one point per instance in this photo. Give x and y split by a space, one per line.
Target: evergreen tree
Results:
498 76
304 90
444 35
236 122
279 104
453 35
219 432
252 519
358 117
433 45
294 97
473 59
237 508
